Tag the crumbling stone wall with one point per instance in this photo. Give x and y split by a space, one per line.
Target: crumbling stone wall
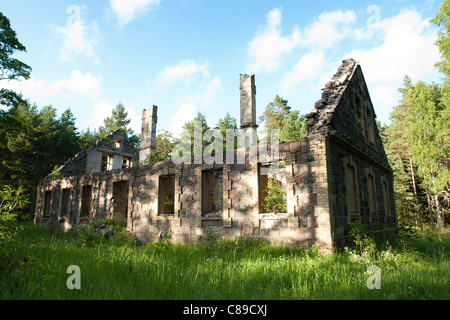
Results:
239 217
346 117
88 161
337 174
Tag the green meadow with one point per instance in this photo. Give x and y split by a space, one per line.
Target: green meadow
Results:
413 265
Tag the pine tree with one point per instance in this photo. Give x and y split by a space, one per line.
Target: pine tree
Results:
118 120
278 115
67 136
425 145
10 68
227 123
294 127
163 148
397 149
188 133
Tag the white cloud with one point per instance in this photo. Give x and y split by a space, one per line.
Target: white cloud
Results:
135 120
85 84
384 97
36 89
307 67
183 70
103 109
185 112
267 48
209 94
188 110
100 111
131 9
328 29
407 48
79 38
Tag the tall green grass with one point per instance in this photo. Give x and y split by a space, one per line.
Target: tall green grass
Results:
119 267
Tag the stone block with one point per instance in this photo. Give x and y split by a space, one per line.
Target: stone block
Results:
312 222
298 210
303 222
299 179
187 189
234 175
290 234
295 147
186 197
241 212
247 231
283 147
293 222
227 223
312 198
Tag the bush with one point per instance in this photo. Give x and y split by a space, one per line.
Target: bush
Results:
274 201
11 201
107 231
364 244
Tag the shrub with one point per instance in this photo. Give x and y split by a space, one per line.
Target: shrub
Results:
11 201
364 243
274 201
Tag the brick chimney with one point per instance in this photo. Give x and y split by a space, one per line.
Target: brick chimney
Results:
248 112
248 101
148 134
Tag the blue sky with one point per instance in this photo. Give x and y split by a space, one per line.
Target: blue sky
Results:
186 56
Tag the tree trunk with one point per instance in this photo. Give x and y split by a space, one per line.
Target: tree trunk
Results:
438 209
416 202
430 207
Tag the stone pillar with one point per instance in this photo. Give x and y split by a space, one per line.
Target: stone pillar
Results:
248 101
248 114
148 134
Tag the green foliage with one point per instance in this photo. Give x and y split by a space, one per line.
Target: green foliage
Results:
186 141
11 68
225 268
169 200
102 232
87 139
164 145
442 20
276 112
294 127
278 115
227 123
33 142
424 132
12 200
274 201
165 241
363 242
118 121
56 175
417 146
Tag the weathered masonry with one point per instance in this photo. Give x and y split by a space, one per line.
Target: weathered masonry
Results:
337 174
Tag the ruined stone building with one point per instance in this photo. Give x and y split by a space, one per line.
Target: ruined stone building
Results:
337 174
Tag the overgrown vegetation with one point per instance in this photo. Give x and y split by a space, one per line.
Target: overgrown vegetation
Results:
114 265
274 201
11 201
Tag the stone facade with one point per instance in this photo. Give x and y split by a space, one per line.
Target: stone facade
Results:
113 152
337 174
148 135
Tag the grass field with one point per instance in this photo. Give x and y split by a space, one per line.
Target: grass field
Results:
414 266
